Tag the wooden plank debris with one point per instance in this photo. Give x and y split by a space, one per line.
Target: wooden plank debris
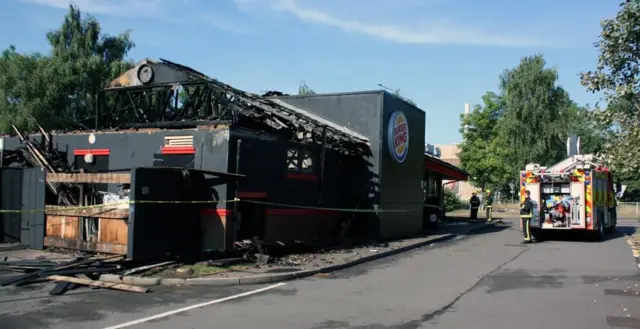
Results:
99 284
107 211
226 262
147 267
89 178
61 288
37 159
74 264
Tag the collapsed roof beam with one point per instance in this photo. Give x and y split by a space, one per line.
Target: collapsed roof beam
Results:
166 91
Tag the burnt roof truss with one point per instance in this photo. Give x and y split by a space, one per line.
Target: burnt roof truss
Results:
189 102
162 91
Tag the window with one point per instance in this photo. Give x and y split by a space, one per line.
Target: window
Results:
432 189
300 160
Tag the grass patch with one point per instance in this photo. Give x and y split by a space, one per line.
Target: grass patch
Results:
202 269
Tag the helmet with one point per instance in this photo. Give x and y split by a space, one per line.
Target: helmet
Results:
488 191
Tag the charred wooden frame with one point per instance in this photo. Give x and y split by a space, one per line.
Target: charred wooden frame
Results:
76 218
179 94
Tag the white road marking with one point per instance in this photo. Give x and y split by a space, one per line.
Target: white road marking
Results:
184 309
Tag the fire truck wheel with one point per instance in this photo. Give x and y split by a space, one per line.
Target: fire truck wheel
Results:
538 234
599 234
612 227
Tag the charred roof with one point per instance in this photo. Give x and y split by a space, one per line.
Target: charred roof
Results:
219 101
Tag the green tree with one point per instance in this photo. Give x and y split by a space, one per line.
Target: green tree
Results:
528 121
617 76
451 201
482 151
60 90
589 128
24 92
537 117
90 60
303 89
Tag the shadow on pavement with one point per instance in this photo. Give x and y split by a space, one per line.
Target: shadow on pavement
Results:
467 228
490 229
582 236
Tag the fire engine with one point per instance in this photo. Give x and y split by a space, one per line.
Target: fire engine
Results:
576 194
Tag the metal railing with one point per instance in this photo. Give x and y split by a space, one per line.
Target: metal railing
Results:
629 209
623 209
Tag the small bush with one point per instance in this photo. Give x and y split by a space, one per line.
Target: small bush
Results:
451 201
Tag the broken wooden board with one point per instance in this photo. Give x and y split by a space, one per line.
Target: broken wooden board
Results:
147 267
226 262
107 211
88 178
73 264
99 284
103 247
61 288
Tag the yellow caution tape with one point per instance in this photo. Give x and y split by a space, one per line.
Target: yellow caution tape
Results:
111 205
114 205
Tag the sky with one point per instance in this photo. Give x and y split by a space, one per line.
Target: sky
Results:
439 53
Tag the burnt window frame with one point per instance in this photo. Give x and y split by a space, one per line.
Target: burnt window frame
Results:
297 160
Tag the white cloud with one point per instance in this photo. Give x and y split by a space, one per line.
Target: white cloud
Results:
432 34
225 24
124 8
165 10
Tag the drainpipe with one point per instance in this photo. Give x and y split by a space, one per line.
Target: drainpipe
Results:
1 151
322 160
236 196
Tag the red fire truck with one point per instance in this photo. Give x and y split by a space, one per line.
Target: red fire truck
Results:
576 194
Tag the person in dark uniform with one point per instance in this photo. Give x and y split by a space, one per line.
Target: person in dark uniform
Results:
488 206
475 205
526 213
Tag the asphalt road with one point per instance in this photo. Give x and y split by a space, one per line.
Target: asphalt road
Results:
486 280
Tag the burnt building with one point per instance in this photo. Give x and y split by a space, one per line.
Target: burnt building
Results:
406 182
162 114
396 169
310 168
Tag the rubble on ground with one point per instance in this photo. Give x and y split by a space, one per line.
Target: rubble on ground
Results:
250 258
72 273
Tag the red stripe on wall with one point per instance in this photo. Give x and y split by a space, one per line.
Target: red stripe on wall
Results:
214 211
178 150
256 195
90 151
308 177
300 212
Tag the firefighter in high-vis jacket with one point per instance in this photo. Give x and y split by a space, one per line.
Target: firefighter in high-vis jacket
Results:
526 213
488 206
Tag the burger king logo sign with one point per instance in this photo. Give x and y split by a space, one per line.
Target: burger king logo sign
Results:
398 136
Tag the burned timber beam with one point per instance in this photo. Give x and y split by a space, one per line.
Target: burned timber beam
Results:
88 178
161 91
104 212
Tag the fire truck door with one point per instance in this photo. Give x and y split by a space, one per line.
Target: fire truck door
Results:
577 206
534 188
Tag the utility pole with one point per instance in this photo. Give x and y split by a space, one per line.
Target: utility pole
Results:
511 190
467 110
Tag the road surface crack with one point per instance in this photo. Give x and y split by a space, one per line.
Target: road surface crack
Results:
433 315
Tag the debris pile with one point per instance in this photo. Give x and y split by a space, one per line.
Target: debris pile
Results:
255 251
43 155
69 275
